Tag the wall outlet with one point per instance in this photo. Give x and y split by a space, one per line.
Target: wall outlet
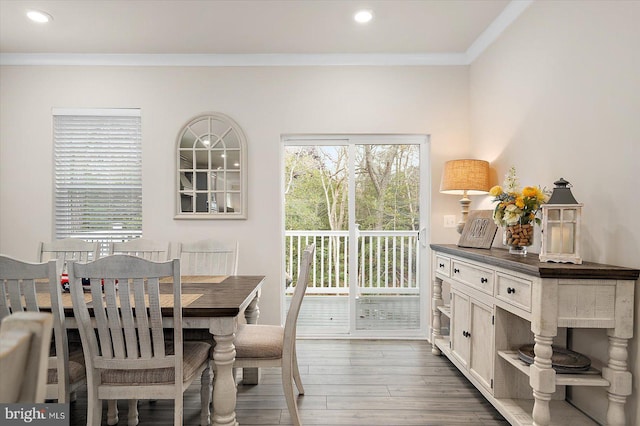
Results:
449 221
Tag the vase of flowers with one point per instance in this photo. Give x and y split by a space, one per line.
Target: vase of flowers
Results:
516 211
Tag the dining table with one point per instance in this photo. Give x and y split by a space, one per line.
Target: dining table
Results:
215 303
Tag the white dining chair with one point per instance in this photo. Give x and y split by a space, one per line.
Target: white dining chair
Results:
129 357
69 249
158 251
66 373
25 338
208 257
275 346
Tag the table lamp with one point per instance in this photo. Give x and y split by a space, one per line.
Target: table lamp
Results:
465 177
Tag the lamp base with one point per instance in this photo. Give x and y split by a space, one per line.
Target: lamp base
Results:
465 202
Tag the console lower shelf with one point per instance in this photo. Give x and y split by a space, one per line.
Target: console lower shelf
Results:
591 377
518 411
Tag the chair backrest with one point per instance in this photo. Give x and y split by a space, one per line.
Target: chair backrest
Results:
209 257
24 348
157 251
18 293
126 304
296 300
69 249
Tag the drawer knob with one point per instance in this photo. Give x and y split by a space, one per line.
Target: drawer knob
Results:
484 280
511 290
456 270
441 265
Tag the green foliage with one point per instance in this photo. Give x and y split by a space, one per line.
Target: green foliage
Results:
387 187
306 208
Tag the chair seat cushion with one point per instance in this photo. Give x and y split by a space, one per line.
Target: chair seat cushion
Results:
259 341
75 367
76 373
194 355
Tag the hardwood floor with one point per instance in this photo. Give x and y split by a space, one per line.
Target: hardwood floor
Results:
347 382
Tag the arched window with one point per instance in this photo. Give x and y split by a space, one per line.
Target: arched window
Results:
212 169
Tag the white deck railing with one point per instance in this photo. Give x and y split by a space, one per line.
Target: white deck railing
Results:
387 261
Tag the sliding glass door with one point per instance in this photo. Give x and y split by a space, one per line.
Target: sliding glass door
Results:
358 198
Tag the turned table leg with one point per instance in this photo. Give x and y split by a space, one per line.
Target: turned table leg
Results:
542 380
251 376
224 354
619 377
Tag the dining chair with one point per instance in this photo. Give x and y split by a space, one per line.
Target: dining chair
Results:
66 372
129 357
275 346
25 338
208 257
158 251
69 249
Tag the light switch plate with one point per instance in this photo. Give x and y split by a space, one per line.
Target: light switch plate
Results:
449 221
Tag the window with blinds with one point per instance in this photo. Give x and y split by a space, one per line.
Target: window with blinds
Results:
98 174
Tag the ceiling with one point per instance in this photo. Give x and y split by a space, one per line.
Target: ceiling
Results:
247 27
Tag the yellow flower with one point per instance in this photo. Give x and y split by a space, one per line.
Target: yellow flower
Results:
495 191
530 191
520 202
542 197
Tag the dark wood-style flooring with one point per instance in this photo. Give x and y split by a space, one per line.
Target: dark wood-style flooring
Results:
347 382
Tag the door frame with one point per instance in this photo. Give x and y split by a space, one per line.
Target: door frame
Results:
424 264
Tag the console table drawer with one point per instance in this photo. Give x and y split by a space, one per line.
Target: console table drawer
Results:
513 290
443 265
473 276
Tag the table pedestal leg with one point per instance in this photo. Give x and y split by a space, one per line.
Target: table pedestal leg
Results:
251 376
224 354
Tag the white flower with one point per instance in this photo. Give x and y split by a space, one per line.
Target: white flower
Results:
511 217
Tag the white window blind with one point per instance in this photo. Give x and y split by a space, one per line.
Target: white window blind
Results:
98 174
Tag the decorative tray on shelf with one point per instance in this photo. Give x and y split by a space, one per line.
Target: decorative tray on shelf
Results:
563 360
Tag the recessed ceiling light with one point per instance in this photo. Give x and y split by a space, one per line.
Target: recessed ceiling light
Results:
363 16
39 16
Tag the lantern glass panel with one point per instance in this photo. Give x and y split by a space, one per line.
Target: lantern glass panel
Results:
569 215
554 238
554 214
568 230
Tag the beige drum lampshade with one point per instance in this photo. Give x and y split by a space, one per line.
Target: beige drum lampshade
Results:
471 176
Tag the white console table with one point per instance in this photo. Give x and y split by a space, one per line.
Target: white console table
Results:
498 302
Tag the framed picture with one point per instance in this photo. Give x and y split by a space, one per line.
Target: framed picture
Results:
479 230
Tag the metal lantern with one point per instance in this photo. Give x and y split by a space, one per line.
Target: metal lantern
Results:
561 226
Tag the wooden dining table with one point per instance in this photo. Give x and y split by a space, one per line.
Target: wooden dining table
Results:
208 302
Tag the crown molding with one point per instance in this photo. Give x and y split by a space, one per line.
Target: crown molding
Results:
231 60
513 10
496 28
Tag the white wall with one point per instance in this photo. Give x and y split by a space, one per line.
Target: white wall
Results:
558 95
266 102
